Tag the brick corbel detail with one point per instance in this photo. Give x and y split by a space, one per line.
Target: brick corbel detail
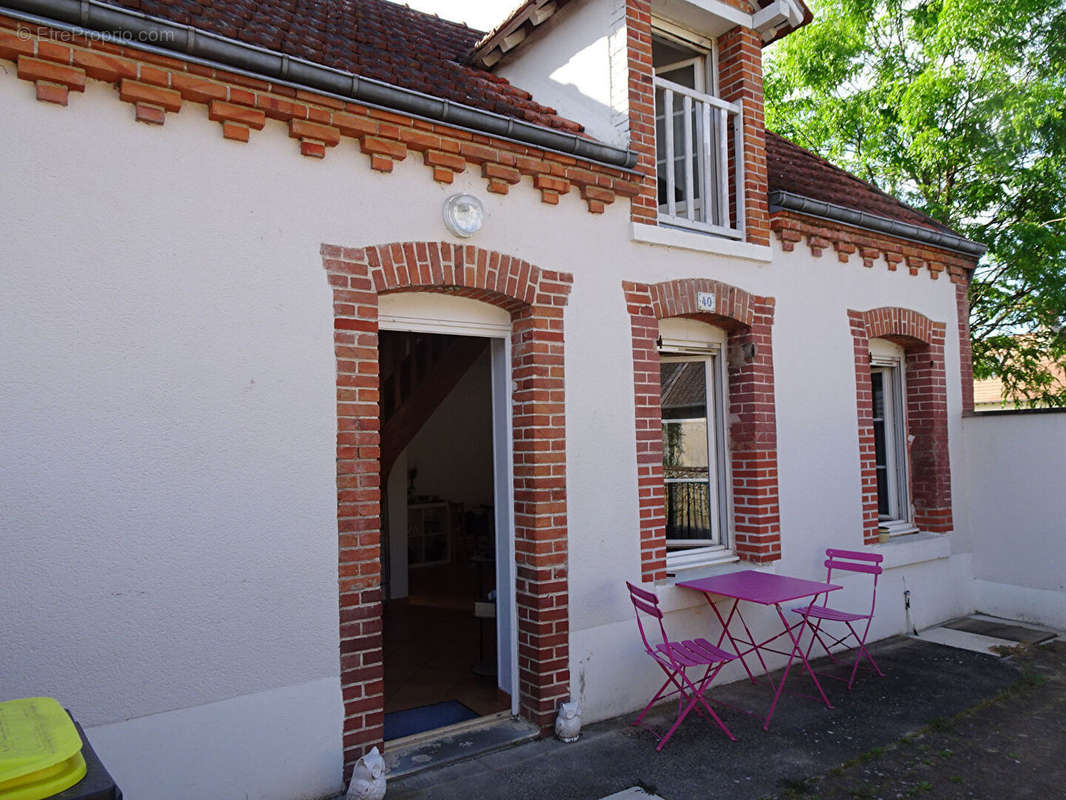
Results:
156 85
535 299
846 241
752 434
927 416
792 229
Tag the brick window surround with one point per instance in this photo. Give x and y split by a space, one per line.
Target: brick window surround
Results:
752 435
922 341
535 299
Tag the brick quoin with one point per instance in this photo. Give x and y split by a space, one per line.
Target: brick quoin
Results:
645 206
535 299
927 414
752 445
740 81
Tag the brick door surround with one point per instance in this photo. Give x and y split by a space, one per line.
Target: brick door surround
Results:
535 299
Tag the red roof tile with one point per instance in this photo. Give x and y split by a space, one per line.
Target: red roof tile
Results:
371 38
790 168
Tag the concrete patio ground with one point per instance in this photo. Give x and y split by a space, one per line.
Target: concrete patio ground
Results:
925 685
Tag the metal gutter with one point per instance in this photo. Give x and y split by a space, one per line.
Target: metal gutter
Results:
172 37
787 201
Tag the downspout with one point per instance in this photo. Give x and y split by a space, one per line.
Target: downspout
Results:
787 201
214 50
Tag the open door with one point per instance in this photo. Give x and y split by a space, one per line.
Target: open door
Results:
450 643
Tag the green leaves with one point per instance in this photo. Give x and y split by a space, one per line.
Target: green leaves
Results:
958 107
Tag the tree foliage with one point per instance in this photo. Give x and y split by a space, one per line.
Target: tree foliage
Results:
958 108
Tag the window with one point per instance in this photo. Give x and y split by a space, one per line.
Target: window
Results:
890 438
695 470
692 128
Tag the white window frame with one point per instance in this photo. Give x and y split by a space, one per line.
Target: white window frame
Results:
685 340
709 212
887 360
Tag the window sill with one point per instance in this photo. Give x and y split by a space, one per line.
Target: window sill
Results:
701 242
913 548
726 562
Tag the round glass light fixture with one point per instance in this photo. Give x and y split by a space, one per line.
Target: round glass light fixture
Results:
463 214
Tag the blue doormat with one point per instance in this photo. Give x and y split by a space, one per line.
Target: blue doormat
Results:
425 718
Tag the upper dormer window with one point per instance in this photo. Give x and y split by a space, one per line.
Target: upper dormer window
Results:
696 135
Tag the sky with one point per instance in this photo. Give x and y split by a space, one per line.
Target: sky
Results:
481 14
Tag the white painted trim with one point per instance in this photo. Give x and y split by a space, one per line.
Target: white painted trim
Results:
723 10
503 489
659 236
776 14
902 551
432 312
660 26
691 335
884 353
443 326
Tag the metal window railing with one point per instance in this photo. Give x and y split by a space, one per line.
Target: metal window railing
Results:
692 147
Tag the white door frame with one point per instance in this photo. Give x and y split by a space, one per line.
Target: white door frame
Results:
503 488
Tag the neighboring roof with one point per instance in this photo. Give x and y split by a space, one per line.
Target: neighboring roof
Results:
990 392
370 38
790 168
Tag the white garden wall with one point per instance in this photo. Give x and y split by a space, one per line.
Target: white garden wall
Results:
167 479
1016 464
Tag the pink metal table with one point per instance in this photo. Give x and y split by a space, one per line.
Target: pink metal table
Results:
765 589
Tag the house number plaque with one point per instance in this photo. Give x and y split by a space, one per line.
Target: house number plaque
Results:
705 301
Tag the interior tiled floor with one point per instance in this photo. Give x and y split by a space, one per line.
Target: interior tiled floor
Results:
430 652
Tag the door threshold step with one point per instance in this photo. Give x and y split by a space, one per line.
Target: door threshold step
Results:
413 754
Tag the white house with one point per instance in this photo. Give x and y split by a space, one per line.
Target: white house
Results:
271 428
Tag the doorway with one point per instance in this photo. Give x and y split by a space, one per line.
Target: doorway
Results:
447 550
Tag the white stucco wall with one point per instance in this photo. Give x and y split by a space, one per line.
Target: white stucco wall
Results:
1016 465
818 463
167 481
576 62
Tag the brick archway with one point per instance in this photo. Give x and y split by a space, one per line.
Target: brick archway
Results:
922 341
535 299
748 319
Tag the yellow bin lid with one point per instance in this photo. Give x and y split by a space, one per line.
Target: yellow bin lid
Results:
40 749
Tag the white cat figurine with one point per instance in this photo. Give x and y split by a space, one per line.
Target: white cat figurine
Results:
568 722
368 778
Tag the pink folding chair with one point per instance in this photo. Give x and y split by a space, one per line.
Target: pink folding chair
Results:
844 561
674 659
